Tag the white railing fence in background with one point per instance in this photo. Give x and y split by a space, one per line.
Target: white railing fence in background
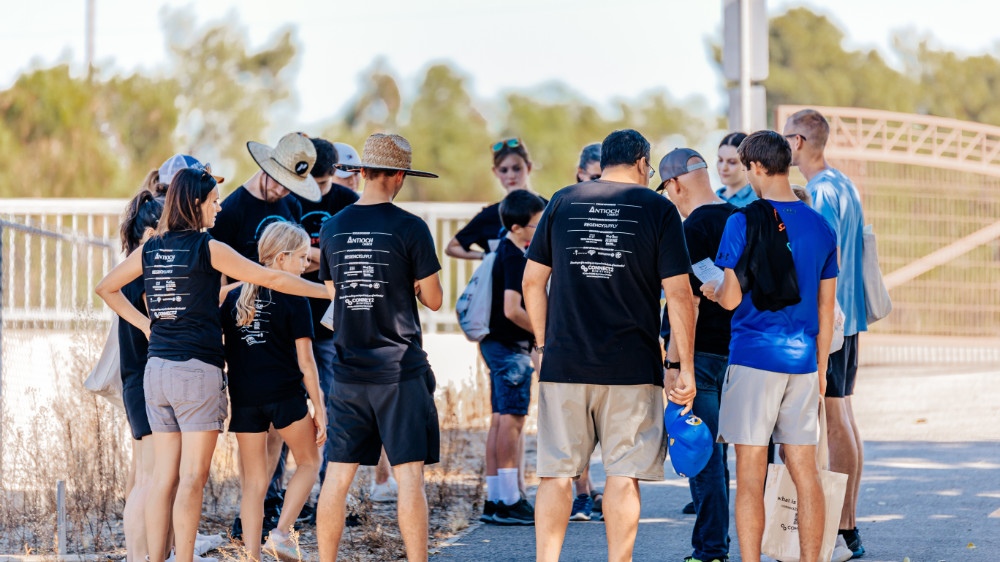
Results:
56 250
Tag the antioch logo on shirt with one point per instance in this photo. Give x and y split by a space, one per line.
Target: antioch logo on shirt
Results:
598 235
362 269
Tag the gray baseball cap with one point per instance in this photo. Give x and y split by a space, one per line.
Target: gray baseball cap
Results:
675 164
346 155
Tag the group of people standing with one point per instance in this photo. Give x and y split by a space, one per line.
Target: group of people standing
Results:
222 309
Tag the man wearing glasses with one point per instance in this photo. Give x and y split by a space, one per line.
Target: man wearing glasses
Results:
608 247
838 200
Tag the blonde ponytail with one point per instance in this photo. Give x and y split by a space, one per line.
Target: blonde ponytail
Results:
278 238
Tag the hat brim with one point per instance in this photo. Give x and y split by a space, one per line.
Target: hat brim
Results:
307 188
359 167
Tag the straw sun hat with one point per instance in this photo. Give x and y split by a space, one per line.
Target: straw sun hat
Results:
289 164
386 152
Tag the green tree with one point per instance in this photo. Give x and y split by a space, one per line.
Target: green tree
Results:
226 91
449 138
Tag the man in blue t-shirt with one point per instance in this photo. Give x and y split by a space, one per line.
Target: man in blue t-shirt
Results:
777 358
377 261
608 246
835 197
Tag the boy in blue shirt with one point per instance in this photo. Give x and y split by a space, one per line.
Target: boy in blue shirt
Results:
507 352
777 356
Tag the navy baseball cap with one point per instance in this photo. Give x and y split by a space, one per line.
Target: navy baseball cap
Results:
675 164
689 441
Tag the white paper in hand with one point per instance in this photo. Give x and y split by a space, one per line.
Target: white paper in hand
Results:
327 319
707 271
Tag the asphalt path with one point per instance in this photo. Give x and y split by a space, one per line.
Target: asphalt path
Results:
930 490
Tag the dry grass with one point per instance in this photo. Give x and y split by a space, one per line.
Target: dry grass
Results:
84 440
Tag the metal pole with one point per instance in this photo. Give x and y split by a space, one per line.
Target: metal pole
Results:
746 44
61 517
90 39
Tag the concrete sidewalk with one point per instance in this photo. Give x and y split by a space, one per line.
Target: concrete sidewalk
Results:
930 491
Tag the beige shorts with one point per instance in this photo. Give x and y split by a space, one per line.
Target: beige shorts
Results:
758 405
184 395
626 420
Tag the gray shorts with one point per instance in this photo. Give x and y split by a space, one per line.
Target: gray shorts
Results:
627 420
184 395
758 404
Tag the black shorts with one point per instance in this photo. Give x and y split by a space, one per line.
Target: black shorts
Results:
842 369
135 411
400 416
257 419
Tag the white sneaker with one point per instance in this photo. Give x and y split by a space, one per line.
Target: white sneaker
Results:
205 543
840 551
281 547
383 493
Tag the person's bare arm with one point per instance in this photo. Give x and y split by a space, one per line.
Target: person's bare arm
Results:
513 310
826 299
310 378
227 261
672 355
429 291
728 294
455 250
313 254
224 291
536 299
680 311
110 290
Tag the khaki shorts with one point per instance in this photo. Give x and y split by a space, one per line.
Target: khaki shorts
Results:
626 420
758 405
184 395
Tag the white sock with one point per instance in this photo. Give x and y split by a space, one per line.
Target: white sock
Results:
492 488
509 494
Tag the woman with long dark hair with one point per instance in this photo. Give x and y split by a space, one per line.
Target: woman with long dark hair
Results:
183 382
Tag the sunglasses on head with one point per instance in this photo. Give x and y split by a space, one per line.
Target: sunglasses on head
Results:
510 143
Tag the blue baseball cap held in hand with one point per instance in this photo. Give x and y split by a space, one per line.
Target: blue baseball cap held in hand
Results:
689 441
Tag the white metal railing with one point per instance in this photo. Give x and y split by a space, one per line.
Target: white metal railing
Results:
50 278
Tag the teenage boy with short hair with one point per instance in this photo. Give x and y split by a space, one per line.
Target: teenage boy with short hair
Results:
784 255
507 352
608 246
374 257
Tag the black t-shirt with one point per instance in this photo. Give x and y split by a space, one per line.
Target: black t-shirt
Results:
243 219
132 343
261 357
483 227
508 269
313 217
609 245
374 254
703 232
182 296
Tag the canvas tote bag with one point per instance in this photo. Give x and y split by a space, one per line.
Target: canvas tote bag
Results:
781 517
878 305
106 377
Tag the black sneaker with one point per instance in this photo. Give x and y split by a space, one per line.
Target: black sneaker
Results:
853 540
307 516
688 509
236 532
489 510
521 513
352 520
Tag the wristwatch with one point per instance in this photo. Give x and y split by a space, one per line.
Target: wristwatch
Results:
671 364
540 348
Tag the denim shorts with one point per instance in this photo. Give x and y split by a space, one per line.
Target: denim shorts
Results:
510 375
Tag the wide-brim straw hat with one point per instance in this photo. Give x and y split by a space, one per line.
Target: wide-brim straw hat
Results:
386 152
289 164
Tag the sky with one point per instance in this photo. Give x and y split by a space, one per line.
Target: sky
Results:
601 50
